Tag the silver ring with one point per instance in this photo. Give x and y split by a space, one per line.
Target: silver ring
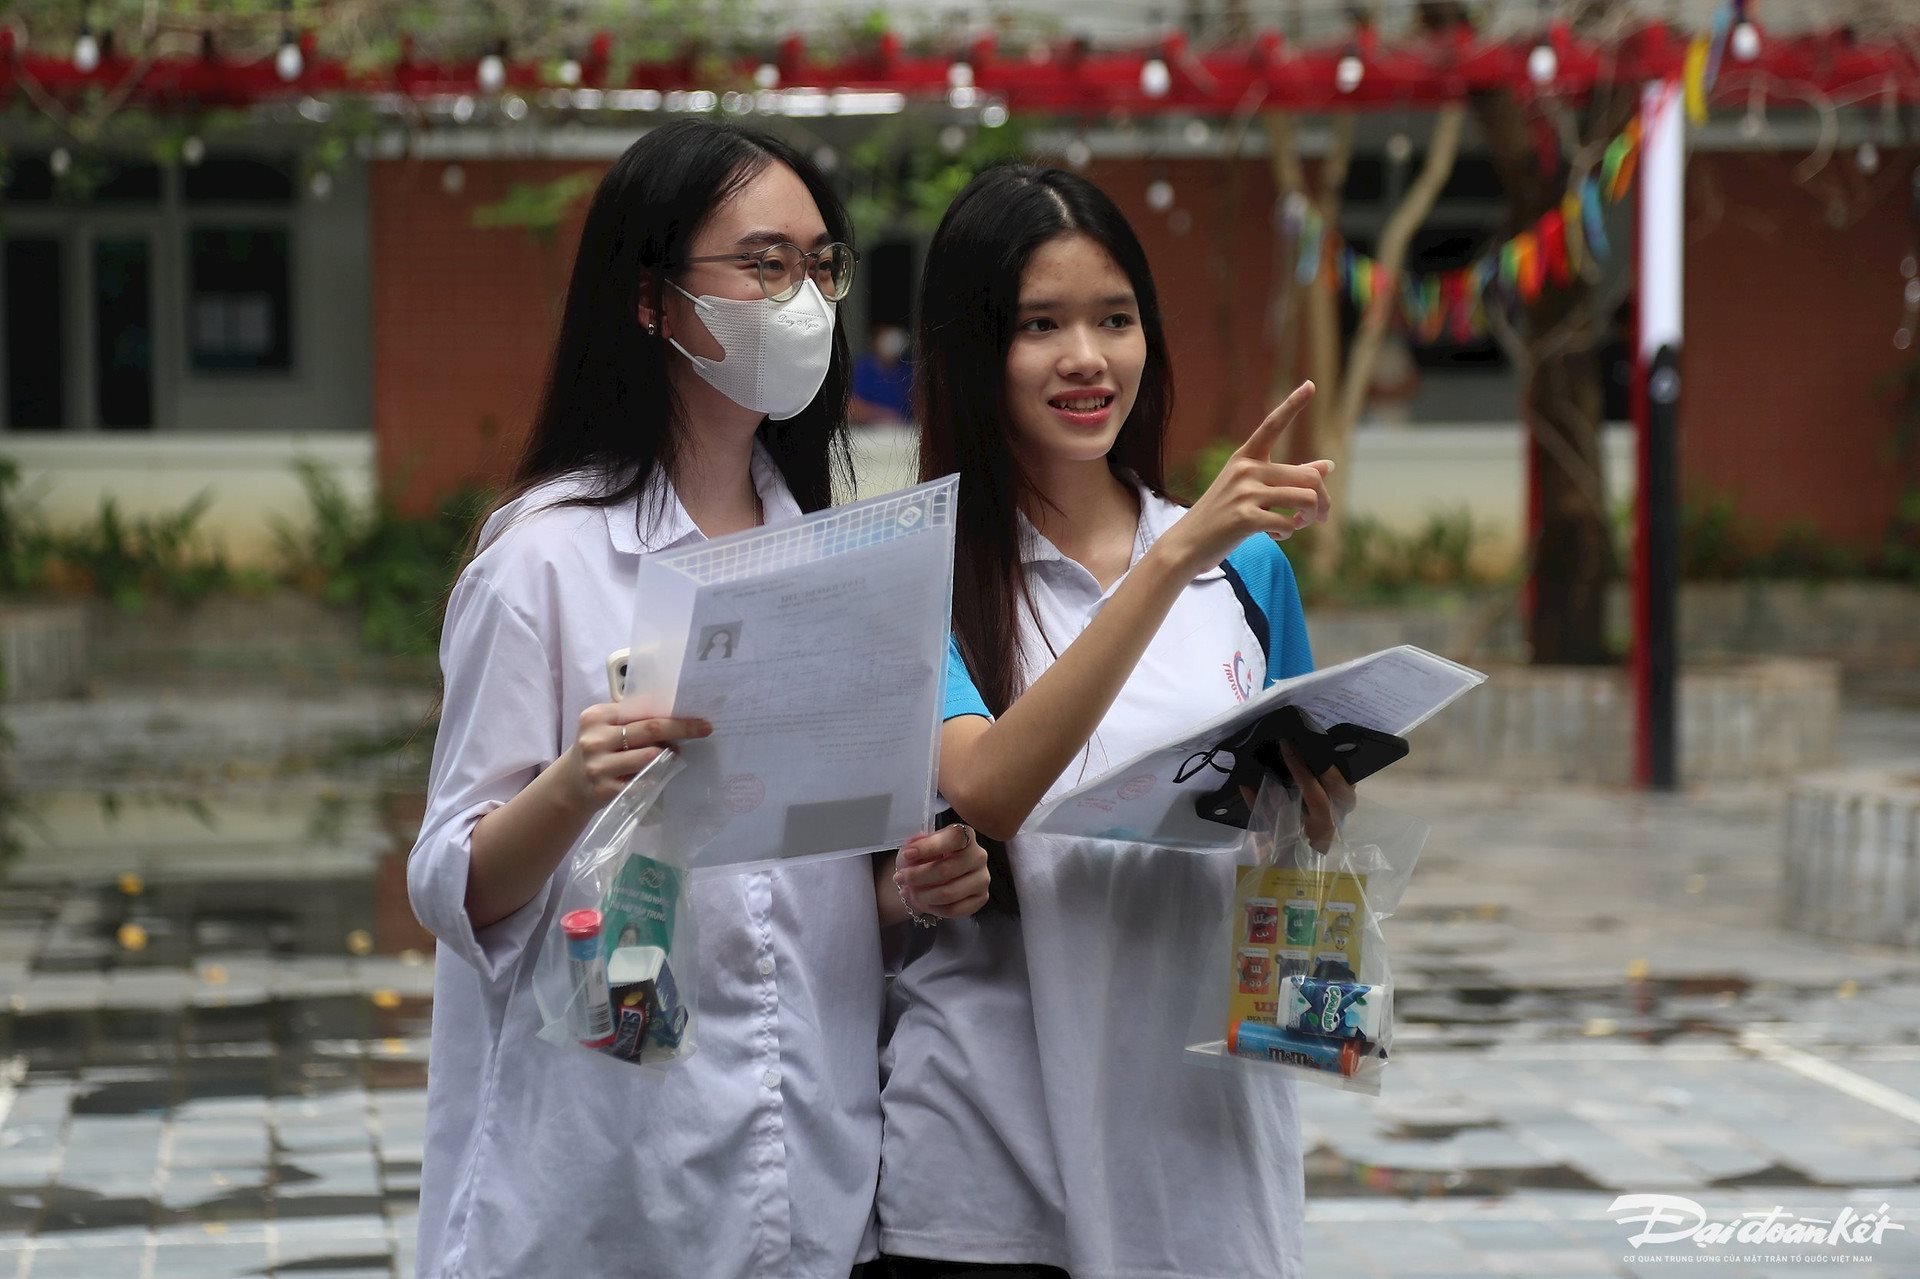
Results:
623 738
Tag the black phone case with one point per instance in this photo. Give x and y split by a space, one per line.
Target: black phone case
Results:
1357 752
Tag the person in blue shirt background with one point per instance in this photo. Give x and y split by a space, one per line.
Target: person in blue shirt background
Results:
882 379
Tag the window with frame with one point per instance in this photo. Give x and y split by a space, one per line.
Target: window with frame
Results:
239 300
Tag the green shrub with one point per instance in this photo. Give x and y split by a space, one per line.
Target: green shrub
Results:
129 559
395 569
1900 556
126 559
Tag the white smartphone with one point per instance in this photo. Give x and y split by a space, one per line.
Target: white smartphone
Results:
617 674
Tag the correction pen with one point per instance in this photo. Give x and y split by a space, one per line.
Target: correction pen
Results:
594 1009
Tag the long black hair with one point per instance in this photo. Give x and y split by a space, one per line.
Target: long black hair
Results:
969 301
608 407
969 304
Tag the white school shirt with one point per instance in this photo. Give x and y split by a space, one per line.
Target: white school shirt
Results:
1040 1105
754 1157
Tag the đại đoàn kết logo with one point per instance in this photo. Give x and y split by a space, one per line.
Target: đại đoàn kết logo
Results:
1773 1235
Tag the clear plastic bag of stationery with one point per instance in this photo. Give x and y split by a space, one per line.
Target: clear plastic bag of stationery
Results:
1298 979
618 975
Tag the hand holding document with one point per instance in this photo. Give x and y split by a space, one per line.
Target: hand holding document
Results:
817 650
1151 798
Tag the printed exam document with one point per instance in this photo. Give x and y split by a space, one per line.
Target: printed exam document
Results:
817 651
1392 691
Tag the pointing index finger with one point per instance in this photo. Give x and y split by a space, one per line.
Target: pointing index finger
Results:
1260 444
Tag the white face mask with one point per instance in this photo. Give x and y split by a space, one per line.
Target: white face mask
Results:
777 353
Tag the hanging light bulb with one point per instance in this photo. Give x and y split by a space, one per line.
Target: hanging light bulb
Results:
287 61
1155 79
993 115
1347 76
492 73
1745 40
766 76
1159 195
86 51
1543 64
960 74
569 71
1079 154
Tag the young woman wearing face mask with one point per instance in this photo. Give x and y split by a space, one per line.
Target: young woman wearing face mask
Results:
698 387
1041 1115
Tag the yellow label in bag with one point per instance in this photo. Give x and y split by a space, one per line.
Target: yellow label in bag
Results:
1287 923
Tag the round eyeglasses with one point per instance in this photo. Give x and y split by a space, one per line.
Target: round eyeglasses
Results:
783 268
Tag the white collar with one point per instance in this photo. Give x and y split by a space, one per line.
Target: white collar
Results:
1157 515
656 520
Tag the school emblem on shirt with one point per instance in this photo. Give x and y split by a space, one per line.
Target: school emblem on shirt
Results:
1239 676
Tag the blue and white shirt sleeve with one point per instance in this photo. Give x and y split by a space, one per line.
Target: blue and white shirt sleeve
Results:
962 697
1263 566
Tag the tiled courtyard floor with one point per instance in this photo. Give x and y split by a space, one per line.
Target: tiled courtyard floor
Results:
213 1027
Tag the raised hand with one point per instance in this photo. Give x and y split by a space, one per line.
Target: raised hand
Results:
1254 494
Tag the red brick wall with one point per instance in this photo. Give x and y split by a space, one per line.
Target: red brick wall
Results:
463 323
1790 321
1213 275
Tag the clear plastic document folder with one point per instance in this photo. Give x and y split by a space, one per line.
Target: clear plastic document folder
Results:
817 650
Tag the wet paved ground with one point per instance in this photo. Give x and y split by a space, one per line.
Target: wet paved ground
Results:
213 1037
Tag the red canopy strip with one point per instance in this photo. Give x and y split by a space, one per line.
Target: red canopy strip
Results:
1070 80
